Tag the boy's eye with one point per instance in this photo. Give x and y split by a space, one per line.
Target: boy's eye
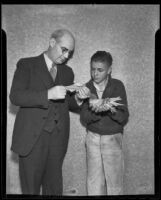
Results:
100 70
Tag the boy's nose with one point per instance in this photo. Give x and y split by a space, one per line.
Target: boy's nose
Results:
95 73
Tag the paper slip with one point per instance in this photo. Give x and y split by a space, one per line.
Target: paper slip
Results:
74 87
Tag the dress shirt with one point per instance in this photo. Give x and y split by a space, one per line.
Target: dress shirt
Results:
49 62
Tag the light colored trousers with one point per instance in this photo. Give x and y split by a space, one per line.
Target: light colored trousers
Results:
105 164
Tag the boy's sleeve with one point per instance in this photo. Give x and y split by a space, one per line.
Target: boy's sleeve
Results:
87 116
73 105
121 115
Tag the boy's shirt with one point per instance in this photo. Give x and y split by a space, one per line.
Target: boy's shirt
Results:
106 123
98 90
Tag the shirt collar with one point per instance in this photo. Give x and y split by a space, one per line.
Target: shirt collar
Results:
48 62
98 88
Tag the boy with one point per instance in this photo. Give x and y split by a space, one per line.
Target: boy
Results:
104 129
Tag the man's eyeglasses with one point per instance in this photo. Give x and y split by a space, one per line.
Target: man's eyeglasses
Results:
65 50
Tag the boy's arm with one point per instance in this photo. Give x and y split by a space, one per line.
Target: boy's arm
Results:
81 93
88 116
121 115
72 102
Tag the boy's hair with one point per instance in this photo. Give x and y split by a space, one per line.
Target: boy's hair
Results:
103 57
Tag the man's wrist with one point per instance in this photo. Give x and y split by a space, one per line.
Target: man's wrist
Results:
49 95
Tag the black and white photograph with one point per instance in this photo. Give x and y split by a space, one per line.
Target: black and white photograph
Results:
80 99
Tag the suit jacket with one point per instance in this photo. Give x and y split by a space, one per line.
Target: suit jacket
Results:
29 91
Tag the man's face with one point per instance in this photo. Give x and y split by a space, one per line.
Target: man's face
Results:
99 71
62 49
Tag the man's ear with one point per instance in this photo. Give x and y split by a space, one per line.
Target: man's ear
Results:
52 42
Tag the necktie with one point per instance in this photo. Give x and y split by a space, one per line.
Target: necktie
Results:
53 72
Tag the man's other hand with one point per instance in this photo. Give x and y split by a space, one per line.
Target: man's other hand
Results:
57 92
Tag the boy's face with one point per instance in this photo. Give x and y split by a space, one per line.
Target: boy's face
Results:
99 71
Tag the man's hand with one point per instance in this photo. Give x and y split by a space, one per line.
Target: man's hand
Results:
82 92
57 92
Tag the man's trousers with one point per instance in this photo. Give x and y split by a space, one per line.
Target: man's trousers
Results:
43 165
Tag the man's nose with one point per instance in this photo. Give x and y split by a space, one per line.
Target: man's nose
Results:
66 54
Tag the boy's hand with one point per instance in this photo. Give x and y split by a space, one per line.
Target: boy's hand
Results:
101 105
74 87
82 92
96 104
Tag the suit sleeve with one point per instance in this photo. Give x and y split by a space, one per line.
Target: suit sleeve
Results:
87 116
122 113
21 94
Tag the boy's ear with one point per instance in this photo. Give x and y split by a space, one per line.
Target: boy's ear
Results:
52 42
110 70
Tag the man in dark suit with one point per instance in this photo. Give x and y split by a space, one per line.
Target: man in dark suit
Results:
41 129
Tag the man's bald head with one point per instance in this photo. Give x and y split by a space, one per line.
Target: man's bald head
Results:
61 46
60 33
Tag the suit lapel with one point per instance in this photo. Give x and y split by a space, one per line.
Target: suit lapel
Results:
61 77
43 73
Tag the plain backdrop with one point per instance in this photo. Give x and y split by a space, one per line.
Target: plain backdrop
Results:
128 33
